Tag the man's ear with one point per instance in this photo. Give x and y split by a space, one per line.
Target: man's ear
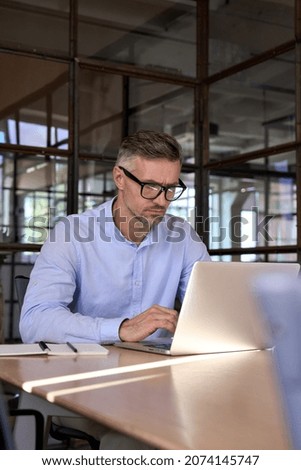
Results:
118 177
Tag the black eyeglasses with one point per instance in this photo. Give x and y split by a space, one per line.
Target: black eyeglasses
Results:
153 190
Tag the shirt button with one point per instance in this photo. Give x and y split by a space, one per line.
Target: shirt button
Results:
137 283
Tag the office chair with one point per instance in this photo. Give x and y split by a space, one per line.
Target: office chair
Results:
8 408
9 398
6 438
57 432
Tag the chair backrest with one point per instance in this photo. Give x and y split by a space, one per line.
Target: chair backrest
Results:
6 438
21 283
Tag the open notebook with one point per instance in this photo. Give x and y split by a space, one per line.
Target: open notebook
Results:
219 311
52 349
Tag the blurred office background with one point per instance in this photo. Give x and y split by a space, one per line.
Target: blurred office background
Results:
222 76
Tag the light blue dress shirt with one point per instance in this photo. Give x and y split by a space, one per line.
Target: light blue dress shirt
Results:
88 278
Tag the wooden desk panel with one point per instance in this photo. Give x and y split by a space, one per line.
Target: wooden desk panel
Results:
215 401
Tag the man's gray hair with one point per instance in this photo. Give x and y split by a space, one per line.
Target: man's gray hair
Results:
149 145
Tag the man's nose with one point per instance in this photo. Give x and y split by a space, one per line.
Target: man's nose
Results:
161 199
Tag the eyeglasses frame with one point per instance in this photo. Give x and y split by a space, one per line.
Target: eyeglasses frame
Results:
162 188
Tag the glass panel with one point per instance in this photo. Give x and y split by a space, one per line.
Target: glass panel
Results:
33 195
284 163
241 29
252 211
33 102
273 258
96 184
100 113
158 34
35 25
253 109
283 257
163 107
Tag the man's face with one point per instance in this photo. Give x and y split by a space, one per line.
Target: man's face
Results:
134 206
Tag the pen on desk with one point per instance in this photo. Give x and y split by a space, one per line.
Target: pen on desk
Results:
43 346
72 347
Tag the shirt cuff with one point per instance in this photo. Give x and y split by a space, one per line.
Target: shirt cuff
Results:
110 329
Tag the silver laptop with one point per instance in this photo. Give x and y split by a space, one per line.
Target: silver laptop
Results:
219 312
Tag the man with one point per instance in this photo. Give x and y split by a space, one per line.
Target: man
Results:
115 271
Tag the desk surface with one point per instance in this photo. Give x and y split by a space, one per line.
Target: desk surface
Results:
215 401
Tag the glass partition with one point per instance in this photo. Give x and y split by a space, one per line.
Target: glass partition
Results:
33 195
284 163
161 106
159 35
35 25
100 116
96 184
241 29
249 258
253 109
252 211
34 104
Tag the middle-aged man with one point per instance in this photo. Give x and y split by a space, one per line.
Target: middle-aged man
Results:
115 271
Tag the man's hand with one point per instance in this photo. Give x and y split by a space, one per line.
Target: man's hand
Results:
148 322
